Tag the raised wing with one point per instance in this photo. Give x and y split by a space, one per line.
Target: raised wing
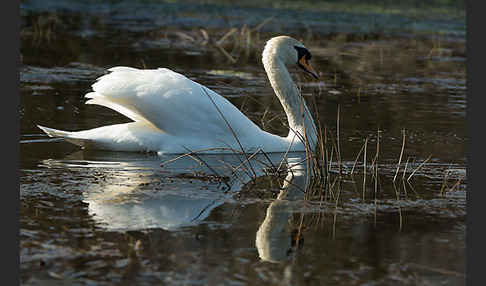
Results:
169 101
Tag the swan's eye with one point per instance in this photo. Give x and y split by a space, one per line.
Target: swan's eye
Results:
302 52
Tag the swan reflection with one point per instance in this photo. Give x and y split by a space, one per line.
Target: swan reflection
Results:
274 238
133 191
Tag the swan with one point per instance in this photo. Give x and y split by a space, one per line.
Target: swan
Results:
174 115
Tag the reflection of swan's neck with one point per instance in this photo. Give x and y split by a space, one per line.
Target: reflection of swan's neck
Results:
298 115
273 238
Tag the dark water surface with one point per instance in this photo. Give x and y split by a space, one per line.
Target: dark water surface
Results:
103 218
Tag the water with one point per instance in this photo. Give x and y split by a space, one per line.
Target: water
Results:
105 218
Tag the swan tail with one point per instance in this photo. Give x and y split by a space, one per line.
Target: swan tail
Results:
66 135
53 132
132 136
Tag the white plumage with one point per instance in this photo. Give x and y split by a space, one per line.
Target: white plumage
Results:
173 114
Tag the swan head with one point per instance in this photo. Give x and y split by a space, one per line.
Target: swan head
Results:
291 52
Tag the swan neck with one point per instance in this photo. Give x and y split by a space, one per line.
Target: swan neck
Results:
298 114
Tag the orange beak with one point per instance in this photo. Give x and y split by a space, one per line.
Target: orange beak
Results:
304 64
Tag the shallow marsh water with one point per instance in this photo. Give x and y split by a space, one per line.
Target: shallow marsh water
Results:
103 218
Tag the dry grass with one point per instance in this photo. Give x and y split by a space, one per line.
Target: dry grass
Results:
43 28
235 44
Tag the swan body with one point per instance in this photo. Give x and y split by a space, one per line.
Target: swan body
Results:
173 114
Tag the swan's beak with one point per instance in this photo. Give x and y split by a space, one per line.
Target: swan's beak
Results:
304 64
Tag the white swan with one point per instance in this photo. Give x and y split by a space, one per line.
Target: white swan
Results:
173 114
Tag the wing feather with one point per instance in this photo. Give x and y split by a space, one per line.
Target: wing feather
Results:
169 101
